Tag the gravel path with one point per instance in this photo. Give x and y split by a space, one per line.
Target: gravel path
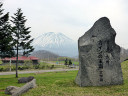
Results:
35 71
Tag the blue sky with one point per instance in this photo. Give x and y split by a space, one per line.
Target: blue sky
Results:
72 17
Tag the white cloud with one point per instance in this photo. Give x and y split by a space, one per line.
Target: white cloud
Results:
72 17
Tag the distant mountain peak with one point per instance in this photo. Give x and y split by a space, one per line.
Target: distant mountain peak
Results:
57 43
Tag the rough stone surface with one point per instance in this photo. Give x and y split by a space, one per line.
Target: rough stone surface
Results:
25 79
99 56
11 89
25 88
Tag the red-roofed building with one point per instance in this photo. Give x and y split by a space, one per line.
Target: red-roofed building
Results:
21 59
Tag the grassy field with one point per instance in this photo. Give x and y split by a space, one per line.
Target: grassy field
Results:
62 84
55 65
62 62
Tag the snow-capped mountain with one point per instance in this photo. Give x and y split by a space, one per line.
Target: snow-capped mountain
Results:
57 43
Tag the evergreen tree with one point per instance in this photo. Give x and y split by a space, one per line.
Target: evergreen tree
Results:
66 62
21 34
70 62
6 44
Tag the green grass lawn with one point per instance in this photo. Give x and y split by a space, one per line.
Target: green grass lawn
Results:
55 65
62 84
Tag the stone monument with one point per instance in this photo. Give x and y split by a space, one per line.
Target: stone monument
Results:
99 56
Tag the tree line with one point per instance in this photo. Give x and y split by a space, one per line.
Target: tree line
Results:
68 62
14 35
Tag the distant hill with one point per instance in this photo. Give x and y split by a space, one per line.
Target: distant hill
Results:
45 55
123 54
57 43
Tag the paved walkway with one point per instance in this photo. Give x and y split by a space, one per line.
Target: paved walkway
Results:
35 71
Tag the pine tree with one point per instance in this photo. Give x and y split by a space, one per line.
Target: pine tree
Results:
66 62
21 34
6 44
70 62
